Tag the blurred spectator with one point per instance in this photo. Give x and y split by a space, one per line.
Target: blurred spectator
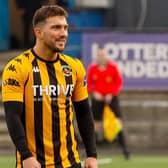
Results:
104 84
26 10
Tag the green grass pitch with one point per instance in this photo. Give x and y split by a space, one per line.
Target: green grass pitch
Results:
144 161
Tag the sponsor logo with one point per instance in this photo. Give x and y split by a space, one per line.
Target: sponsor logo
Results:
12 68
10 81
18 60
36 69
67 71
53 90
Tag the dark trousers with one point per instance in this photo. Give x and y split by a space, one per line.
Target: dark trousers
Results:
97 109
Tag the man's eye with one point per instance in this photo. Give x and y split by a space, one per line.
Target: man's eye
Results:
57 27
66 28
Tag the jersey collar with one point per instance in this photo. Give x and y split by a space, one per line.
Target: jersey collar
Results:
34 53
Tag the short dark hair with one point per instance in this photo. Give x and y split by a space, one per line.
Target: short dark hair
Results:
47 11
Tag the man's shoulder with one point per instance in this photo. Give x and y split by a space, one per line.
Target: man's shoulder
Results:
74 63
112 63
20 60
26 55
17 68
93 65
70 60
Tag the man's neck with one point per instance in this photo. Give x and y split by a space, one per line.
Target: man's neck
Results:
102 66
45 54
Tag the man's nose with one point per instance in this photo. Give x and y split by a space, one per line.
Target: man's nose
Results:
63 32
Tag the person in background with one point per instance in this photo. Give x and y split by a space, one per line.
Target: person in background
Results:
40 87
104 82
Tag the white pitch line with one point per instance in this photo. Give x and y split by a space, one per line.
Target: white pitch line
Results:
102 161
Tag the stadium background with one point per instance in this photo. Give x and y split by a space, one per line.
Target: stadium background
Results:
144 110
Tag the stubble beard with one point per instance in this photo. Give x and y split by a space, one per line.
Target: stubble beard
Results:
54 49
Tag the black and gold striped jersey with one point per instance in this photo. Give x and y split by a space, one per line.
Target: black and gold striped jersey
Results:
47 90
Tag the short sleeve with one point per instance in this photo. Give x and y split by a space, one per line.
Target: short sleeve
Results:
13 80
80 91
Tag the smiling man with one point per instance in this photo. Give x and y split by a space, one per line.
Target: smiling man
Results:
39 93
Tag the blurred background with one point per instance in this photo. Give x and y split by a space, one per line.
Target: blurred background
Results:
135 34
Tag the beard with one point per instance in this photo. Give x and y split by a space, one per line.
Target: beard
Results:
54 48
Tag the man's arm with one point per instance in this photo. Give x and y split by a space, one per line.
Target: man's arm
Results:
86 126
14 114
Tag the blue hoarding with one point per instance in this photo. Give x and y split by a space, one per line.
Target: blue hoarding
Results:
141 57
4 27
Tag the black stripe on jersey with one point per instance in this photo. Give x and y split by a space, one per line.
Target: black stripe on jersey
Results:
71 157
55 117
38 115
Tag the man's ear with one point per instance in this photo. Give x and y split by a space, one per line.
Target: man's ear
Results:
38 32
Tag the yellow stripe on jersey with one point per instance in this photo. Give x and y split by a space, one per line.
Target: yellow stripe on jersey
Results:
47 90
18 159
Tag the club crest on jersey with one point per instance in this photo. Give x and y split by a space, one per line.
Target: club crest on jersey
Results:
67 71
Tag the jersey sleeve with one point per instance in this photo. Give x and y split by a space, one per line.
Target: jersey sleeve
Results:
13 80
80 90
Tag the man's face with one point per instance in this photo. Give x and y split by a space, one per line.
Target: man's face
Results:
101 56
54 33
